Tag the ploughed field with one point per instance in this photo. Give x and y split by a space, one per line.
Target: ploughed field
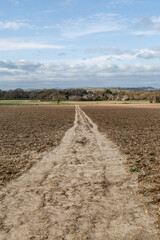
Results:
136 130
79 190
27 132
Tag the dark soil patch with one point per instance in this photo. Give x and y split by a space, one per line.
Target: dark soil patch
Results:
26 132
136 130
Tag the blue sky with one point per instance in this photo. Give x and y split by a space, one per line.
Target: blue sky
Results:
79 43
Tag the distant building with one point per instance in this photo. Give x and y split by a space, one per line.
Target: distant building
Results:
74 98
124 97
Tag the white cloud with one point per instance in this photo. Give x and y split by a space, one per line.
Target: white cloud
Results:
155 19
97 23
112 50
157 26
148 54
32 74
145 33
142 23
6 45
105 23
114 3
148 26
116 54
109 57
14 25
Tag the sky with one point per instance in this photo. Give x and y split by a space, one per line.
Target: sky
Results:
79 43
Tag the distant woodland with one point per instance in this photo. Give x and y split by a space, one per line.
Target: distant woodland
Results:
151 95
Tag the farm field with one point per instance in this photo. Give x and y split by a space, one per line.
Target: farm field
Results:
28 102
38 102
136 130
27 132
79 172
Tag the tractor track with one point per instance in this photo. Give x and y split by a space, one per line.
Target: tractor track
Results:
80 190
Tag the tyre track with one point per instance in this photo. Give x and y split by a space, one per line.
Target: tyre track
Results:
80 190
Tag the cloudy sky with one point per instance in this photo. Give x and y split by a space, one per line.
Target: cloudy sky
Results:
79 43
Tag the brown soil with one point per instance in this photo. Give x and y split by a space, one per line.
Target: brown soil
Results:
79 191
136 130
26 132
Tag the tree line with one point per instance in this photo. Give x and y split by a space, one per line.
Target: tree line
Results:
80 95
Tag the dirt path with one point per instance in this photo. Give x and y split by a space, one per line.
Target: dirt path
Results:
80 190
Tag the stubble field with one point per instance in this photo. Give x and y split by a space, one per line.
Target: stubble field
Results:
136 130
26 132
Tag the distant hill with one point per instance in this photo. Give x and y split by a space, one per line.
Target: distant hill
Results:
136 89
32 90
143 89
